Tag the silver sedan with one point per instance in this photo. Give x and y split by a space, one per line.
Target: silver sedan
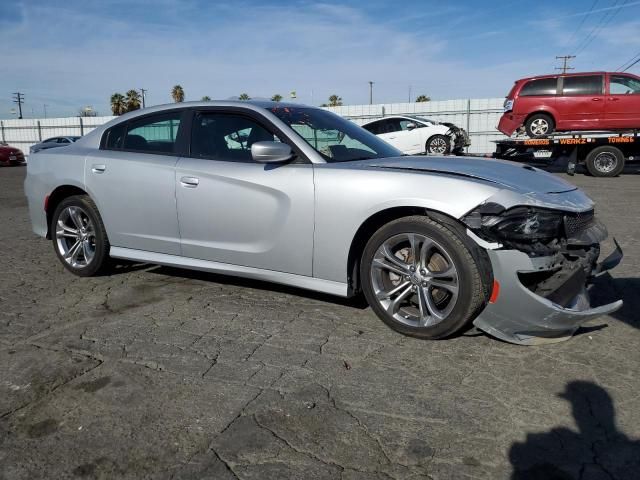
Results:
299 196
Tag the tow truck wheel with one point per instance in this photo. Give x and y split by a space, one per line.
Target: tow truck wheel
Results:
539 125
605 161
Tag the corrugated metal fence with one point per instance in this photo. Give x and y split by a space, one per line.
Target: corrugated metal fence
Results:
478 116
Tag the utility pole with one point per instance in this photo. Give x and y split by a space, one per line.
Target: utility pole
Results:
19 99
44 107
370 92
143 90
565 60
409 93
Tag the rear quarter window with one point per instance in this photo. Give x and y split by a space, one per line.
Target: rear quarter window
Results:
543 86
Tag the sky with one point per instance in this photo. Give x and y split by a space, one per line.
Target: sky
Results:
74 53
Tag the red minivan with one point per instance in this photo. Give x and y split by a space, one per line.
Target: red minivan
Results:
572 101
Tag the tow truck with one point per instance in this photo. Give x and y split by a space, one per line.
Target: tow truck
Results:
604 153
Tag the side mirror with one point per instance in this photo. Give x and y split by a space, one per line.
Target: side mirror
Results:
271 152
411 126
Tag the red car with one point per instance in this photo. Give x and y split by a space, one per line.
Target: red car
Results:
572 101
10 155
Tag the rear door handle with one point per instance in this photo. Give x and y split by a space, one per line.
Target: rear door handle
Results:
189 182
98 168
596 99
614 99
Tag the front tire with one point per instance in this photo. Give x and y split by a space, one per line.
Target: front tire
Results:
420 278
438 145
539 125
79 237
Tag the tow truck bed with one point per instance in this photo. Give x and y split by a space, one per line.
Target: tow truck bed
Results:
603 153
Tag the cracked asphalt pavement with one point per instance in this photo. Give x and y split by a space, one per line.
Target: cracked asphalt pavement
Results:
153 372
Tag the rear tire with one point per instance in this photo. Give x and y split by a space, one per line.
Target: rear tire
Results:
438 145
420 278
605 161
539 125
79 237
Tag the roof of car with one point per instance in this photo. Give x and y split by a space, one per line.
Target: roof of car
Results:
552 75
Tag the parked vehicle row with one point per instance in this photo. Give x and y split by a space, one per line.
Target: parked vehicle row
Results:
417 135
300 196
545 104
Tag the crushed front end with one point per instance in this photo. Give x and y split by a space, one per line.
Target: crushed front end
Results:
543 261
459 138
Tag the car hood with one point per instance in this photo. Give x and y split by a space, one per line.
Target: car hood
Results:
523 179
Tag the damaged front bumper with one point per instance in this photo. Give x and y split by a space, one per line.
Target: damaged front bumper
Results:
518 315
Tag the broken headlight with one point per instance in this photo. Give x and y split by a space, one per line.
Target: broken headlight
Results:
520 224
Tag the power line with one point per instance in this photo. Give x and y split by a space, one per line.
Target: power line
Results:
637 60
19 99
584 18
604 21
625 66
565 61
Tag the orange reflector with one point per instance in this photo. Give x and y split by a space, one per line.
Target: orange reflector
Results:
495 292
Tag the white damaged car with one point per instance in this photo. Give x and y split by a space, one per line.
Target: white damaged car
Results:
416 135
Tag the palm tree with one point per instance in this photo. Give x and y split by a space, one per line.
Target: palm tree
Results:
132 100
118 105
335 101
177 93
423 98
206 98
276 98
244 96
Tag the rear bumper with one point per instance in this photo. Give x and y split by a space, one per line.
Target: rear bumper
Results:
509 123
520 316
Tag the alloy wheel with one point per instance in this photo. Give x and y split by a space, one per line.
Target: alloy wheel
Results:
539 126
414 280
438 145
75 237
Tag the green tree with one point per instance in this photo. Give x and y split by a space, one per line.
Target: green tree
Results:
133 100
423 98
118 104
244 96
206 98
177 93
276 98
335 101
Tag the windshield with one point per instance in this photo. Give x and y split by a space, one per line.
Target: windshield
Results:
333 137
424 119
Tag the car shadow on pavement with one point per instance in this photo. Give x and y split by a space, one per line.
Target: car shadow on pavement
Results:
606 289
596 450
357 301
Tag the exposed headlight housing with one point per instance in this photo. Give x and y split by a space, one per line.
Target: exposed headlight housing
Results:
519 224
508 105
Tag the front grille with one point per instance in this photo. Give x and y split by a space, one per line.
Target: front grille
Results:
577 222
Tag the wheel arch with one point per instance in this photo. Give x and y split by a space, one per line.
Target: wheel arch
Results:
55 197
382 217
543 112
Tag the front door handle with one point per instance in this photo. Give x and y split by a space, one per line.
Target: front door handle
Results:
596 99
614 99
189 182
98 168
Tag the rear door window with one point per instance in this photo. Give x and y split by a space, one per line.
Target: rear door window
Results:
543 86
582 85
623 85
153 134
